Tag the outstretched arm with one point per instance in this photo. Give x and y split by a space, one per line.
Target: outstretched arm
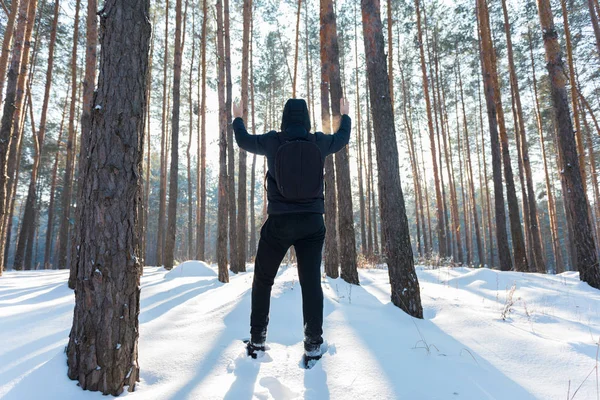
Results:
342 136
250 143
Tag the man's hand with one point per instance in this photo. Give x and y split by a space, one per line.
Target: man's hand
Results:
344 106
238 111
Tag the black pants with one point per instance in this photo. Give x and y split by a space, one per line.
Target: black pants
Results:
306 232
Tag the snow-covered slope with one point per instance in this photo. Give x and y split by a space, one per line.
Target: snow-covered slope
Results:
191 328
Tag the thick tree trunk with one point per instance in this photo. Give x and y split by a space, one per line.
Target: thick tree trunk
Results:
107 295
398 250
223 209
330 61
89 84
577 205
489 77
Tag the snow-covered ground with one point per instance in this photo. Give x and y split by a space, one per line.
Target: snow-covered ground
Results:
191 328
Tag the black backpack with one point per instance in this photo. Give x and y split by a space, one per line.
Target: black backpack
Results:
299 168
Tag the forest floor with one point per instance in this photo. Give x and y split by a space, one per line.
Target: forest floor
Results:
480 338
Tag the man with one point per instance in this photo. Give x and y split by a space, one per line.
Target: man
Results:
295 159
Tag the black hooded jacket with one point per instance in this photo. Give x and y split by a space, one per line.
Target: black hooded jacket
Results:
295 123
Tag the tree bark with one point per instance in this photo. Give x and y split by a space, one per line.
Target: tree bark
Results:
398 250
201 230
89 84
102 350
242 223
538 262
489 78
6 42
577 205
330 61
223 209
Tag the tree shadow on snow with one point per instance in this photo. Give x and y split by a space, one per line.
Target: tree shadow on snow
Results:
243 387
429 364
172 298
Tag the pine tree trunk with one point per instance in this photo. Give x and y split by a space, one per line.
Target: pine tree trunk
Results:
201 231
363 235
65 219
223 209
234 261
89 84
162 215
6 42
530 210
253 243
594 16
390 51
593 173
295 79
146 237
398 250
330 61
577 205
490 87
368 172
107 291
331 242
190 246
443 251
242 223
169 256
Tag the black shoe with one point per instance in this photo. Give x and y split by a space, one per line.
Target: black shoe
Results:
310 360
252 348
312 352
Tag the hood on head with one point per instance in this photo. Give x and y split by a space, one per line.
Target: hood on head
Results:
295 120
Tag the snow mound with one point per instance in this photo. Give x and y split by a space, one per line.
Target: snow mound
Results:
191 269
